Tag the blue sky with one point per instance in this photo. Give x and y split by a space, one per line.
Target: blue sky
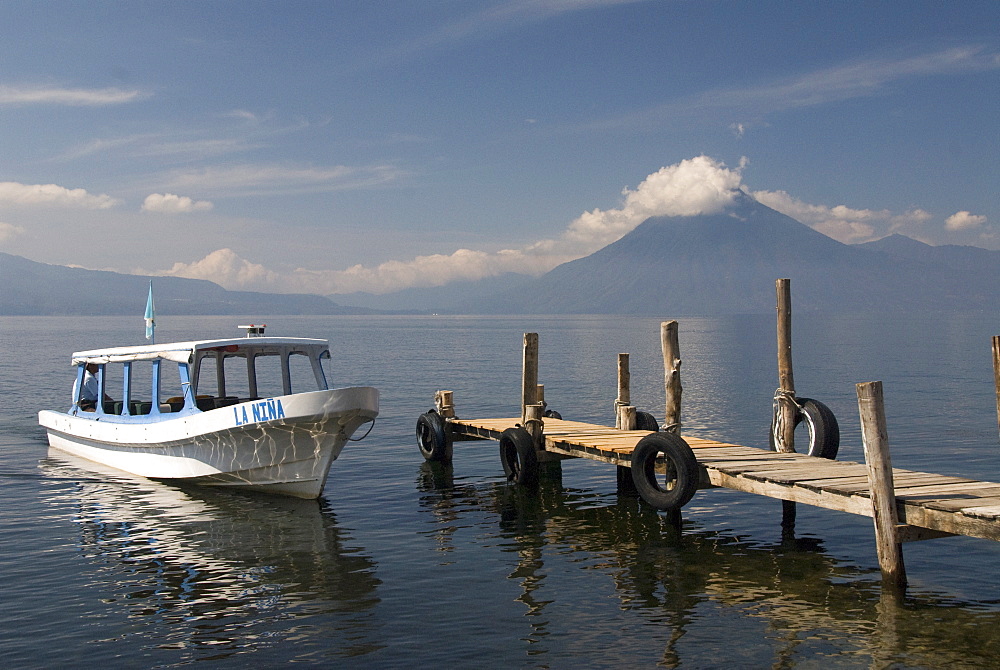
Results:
337 146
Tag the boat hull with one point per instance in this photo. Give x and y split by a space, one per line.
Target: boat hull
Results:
282 445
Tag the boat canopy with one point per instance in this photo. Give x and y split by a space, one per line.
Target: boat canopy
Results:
184 352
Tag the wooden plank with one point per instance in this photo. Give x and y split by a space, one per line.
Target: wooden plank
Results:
971 487
746 458
990 512
961 504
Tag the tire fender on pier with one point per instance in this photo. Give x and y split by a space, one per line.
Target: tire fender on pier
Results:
432 439
646 421
682 471
822 426
517 454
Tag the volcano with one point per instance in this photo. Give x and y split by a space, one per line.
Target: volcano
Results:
727 263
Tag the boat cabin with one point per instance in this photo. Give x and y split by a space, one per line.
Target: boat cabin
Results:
156 381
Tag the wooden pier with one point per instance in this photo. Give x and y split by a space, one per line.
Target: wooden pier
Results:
928 505
666 469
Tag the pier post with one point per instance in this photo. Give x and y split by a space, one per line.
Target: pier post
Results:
670 345
996 373
624 389
784 438
444 402
625 420
876 442
529 375
626 417
533 423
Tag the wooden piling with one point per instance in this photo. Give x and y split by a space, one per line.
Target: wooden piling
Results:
626 486
996 373
624 388
444 402
529 374
626 417
533 423
785 437
876 443
670 346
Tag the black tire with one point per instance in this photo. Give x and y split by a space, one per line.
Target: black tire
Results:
552 414
431 438
517 454
646 421
682 476
822 428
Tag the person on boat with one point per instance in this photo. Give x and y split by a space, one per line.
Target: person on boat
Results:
88 394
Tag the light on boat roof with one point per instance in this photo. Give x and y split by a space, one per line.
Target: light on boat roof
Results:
255 331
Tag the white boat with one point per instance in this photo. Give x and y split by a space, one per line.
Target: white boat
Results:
253 412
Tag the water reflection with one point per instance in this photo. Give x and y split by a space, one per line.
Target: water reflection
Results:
214 573
769 604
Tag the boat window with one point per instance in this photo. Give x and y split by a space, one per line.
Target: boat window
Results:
171 391
114 386
141 387
236 377
269 384
301 372
208 377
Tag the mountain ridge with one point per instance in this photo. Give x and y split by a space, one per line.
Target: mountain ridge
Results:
40 289
704 265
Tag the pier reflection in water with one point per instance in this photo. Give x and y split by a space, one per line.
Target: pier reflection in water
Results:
698 587
215 573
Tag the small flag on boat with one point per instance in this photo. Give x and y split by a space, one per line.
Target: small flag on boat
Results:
150 315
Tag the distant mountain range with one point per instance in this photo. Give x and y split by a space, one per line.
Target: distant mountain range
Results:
31 288
723 263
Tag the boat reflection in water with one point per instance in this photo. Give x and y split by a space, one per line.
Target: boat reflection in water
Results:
695 584
216 573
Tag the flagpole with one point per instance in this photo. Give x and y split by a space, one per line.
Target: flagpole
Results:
150 316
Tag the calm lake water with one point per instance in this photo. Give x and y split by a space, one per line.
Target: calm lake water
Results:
406 564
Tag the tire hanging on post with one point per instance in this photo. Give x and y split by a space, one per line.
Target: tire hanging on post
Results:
431 437
646 421
680 481
517 455
822 426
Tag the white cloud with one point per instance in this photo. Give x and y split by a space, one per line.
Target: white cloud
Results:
847 224
491 19
695 186
226 268
964 221
73 97
841 223
281 179
50 194
847 81
150 145
168 203
9 231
